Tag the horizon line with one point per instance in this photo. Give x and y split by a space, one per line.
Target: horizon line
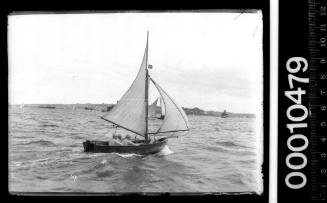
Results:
114 104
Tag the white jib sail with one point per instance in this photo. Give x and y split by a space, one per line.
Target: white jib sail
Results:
175 117
129 112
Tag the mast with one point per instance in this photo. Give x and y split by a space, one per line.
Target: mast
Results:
146 90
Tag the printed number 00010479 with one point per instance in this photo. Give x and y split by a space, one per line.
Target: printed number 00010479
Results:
296 97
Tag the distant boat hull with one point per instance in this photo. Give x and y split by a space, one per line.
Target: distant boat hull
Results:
47 107
103 147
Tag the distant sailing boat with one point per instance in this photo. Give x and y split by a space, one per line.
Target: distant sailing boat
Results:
224 114
152 110
155 111
132 113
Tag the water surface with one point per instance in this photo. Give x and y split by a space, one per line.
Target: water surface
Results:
46 155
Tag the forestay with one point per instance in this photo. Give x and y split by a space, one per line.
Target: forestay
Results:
175 118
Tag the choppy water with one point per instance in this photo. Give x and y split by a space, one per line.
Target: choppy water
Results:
46 155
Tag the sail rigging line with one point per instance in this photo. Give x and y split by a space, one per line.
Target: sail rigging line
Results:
122 126
157 85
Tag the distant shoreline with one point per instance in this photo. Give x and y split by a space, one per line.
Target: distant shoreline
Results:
104 107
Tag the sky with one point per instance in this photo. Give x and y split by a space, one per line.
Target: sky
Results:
213 61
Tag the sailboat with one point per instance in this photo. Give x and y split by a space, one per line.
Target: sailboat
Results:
132 114
155 111
224 114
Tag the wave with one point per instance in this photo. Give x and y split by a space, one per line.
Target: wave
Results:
60 161
165 151
41 142
127 155
74 145
49 125
30 163
39 177
76 136
22 137
77 149
245 153
104 174
230 144
236 178
247 162
104 161
216 148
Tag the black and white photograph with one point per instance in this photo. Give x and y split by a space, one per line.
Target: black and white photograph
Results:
136 102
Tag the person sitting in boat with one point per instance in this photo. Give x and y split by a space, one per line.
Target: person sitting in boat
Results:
152 140
128 141
115 140
136 139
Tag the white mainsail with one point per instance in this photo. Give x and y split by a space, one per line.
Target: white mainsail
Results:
129 113
175 117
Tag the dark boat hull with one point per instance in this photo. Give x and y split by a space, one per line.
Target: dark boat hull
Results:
103 147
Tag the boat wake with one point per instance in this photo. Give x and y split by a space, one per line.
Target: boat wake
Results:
165 151
128 155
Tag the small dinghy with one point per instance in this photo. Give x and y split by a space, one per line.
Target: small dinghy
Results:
132 113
